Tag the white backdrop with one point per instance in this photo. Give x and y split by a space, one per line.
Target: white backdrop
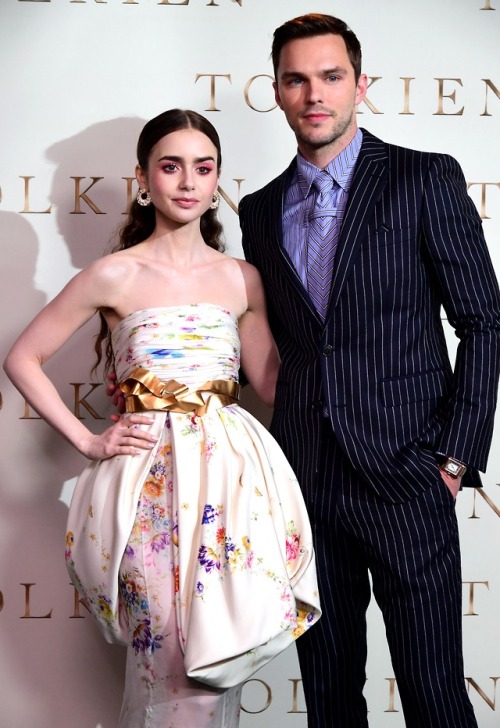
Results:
78 80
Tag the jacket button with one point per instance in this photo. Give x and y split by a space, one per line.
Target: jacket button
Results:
327 350
317 405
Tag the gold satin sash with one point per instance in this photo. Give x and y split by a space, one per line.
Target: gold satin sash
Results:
144 391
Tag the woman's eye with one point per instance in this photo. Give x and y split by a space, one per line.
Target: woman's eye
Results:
204 170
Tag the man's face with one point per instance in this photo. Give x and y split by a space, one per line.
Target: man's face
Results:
315 87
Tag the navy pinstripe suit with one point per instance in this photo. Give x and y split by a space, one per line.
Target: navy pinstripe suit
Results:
411 242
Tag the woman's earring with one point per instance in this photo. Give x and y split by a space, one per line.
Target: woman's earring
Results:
215 201
143 198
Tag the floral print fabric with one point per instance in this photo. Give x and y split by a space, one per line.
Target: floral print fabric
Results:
198 555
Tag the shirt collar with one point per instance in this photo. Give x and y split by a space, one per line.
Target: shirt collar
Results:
340 168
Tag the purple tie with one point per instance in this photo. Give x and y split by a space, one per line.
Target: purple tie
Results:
322 240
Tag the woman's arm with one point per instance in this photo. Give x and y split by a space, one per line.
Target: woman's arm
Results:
51 328
259 355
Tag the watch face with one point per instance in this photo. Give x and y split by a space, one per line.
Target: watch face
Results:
454 468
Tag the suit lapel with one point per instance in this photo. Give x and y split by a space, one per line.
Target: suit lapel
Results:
369 180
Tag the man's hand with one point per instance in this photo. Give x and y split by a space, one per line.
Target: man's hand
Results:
453 484
114 392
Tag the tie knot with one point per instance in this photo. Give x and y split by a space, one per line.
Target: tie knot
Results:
323 181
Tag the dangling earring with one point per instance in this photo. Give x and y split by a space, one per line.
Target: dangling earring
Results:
215 201
143 198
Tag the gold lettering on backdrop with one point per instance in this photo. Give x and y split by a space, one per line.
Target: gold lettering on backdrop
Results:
491 85
483 186
487 6
392 692
295 684
26 208
27 608
269 697
212 2
472 683
81 401
232 205
366 100
27 415
83 195
129 193
246 93
212 77
442 96
406 108
487 499
78 401
78 600
130 181
470 611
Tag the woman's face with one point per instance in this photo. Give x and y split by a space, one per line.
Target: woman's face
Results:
182 175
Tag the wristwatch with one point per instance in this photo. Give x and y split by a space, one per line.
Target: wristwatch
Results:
454 467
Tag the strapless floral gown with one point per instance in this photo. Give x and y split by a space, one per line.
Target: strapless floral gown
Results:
198 554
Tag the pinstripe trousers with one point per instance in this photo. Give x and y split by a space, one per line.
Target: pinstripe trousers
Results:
412 552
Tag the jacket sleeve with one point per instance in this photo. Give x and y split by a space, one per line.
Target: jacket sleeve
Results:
454 242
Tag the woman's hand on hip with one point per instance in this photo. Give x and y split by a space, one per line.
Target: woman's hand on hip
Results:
125 437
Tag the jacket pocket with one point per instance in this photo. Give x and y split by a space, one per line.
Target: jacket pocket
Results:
413 388
385 235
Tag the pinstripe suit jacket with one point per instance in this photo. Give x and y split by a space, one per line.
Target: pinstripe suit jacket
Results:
411 242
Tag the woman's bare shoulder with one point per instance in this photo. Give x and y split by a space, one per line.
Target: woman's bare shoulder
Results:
114 267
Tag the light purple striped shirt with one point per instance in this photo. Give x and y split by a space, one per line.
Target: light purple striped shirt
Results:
300 198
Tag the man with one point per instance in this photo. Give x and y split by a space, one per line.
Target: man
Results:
379 428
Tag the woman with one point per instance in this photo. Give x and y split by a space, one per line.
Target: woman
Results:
187 534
